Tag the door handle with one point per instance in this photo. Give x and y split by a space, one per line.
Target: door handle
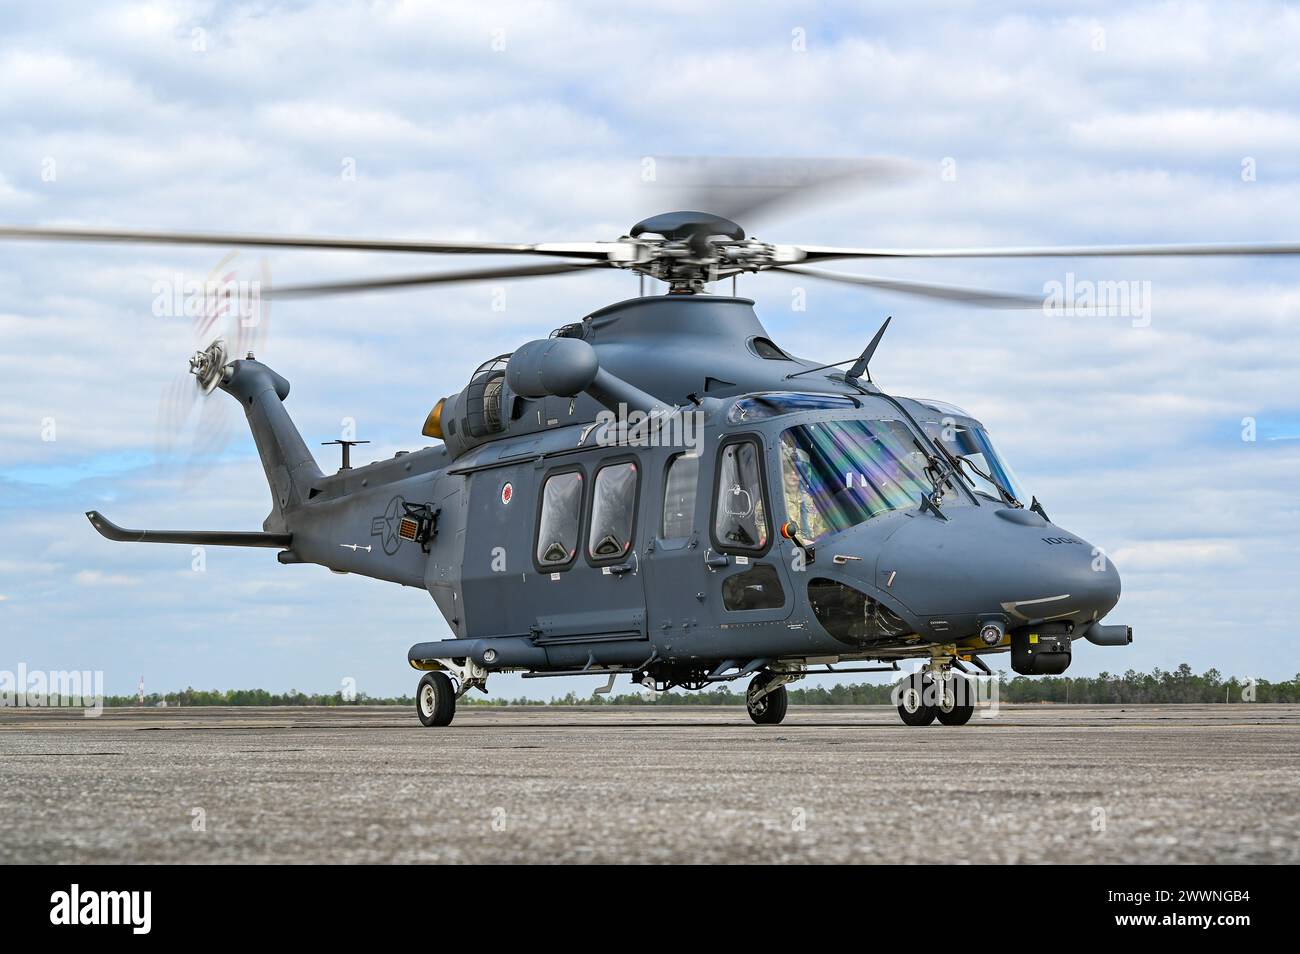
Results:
716 562
620 569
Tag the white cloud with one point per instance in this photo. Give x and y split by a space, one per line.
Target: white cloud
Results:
1177 555
1236 132
98 578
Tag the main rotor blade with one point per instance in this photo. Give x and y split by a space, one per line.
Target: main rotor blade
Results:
979 297
814 253
600 251
743 188
436 278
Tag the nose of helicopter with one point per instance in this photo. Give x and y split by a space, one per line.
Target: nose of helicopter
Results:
1008 562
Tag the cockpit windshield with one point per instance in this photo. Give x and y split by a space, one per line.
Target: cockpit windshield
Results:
837 474
983 467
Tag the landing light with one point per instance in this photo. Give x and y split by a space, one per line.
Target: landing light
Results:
991 633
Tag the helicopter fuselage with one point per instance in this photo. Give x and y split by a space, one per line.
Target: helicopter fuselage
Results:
699 572
661 490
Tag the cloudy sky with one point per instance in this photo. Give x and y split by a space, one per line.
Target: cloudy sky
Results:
1037 123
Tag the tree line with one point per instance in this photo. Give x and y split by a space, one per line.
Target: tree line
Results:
1159 686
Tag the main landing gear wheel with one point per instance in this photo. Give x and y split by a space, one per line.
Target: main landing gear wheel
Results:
914 698
956 701
435 699
770 708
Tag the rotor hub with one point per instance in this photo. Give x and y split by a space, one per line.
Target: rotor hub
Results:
688 250
208 366
684 226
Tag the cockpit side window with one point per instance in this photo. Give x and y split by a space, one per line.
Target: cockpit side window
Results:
679 496
739 508
613 512
559 520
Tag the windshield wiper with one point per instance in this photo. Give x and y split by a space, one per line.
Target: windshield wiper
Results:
917 429
1007 497
935 475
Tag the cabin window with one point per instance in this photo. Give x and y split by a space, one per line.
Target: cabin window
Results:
756 588
558 522
679 496
613 510
740 515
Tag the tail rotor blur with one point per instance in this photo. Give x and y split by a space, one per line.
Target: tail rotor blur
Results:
194 426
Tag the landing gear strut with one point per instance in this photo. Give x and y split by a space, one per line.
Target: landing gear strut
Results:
436 695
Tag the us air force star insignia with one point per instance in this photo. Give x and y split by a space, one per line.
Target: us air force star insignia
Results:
385 527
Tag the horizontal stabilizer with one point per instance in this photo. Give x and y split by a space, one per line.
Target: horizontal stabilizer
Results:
203 538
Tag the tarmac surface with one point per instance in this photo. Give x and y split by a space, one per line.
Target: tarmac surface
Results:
1110 784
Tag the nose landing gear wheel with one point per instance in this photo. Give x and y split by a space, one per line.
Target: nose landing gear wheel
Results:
770 708
915 700
956 701
435 699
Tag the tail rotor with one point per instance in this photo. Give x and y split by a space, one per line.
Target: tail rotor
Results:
193 426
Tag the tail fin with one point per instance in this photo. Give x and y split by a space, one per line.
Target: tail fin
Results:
291 471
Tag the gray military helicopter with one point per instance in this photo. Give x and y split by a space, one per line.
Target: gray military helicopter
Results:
661 490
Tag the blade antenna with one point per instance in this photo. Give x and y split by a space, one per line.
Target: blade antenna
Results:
862 365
